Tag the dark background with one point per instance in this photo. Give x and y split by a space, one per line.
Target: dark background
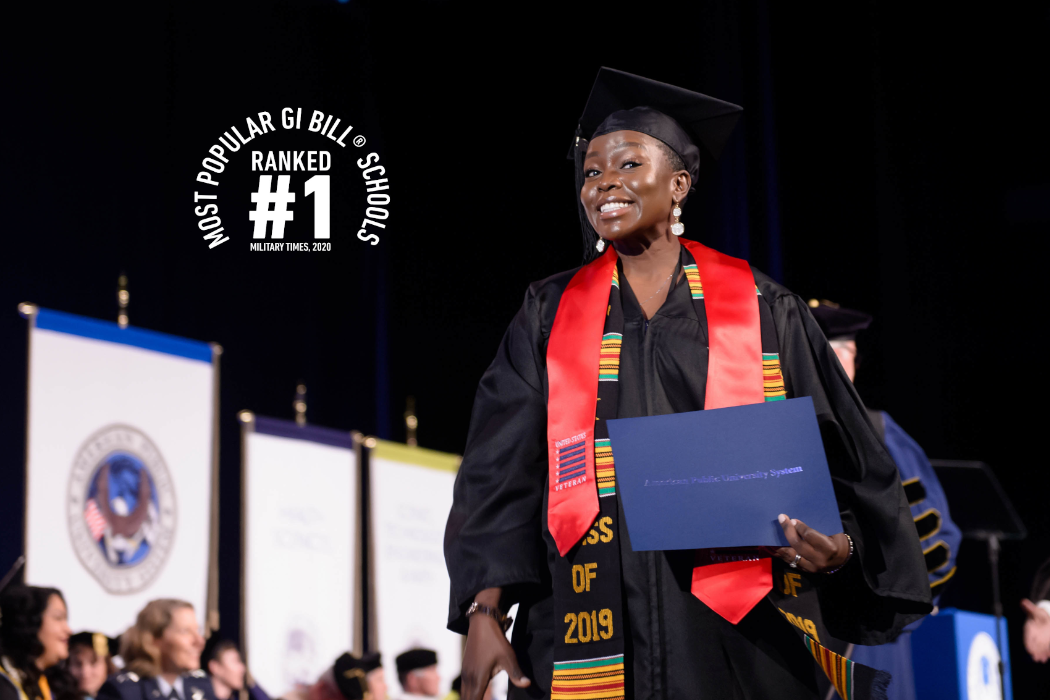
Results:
890 160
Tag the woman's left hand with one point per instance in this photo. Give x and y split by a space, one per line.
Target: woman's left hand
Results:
818 552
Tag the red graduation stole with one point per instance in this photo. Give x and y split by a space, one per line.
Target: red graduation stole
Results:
734 377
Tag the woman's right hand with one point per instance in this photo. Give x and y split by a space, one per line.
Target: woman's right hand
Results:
488 652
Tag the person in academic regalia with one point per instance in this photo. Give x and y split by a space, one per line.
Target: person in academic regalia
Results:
91 661
222 660
34 639
349 678
161 653
939 535
658 324
365 671
418 674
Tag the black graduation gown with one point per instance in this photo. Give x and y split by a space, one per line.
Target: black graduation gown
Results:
677 647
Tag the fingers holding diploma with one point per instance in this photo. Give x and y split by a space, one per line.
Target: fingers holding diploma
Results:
816 552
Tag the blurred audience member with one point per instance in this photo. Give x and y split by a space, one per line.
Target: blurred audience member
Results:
418 674
222 660
34 638
349 678
366 673
91 661
161 654
1037 626
454 693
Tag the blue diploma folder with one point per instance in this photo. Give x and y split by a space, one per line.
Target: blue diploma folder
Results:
720 478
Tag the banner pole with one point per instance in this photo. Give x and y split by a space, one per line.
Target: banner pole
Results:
247 419
300 404
123 297
358 633
371 633
28 311
212 619
12 572
411 422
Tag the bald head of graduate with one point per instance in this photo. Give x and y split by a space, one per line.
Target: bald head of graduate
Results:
631 184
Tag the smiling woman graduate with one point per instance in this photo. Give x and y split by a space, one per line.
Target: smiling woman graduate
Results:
658 324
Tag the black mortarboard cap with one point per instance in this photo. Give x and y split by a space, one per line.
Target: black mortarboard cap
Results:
693 125
415 658
838 323
350 674
102 645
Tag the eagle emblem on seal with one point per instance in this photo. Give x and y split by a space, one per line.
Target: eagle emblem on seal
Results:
121 508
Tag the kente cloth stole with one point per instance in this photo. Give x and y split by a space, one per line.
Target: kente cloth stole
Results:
589 658
589 645
796 598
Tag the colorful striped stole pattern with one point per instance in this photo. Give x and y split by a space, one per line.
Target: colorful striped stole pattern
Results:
772 377
609 358
838 668
692 275
604 469
589 679
853 681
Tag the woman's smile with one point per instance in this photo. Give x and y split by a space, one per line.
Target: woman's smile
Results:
614 207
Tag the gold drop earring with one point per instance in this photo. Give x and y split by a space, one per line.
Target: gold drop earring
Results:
677 228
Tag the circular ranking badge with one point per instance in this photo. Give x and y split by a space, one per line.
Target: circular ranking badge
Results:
297 179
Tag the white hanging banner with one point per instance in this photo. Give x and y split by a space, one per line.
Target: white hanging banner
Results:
300 525
121 447
410 498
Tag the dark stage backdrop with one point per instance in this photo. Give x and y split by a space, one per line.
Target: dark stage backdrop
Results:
890 161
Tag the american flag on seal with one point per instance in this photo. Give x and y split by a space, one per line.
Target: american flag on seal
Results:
96 522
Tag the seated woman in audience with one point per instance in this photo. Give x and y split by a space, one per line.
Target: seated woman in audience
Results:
161 653
34 638
90 661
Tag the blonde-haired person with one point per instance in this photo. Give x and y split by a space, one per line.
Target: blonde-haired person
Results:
161 653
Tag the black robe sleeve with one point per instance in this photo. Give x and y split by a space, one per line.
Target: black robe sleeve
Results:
494 531
872 602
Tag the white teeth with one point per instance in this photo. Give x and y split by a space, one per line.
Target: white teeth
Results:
609 206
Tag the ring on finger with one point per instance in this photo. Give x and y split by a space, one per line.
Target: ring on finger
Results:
794 564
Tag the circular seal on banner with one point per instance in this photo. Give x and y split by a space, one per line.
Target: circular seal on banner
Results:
121 508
